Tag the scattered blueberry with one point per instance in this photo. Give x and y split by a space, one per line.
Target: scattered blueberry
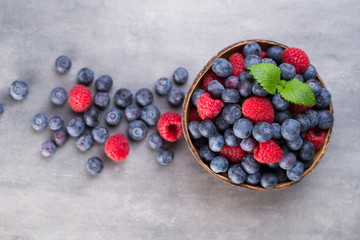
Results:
216 143
94 165
268 180
163 86
231 113
258 90
313 117
103 83
288 161
252 48
180 76
307 151
248 144
39 122
288 71
102 100
281 116
100 134
155 141
206 154
144 97
250 165
290 129
310 73
58 96
176 96
232 82
220 123
137 130
1 108
295 144
253 179
59 137
222 67
326 119
279 103
236 174
123 98
268 60
262 131
215 88
219 164
194 130
19 90
113 116
230 138
323 100
303 120
150 115
251 60
245 88
92 116
230 95
132 112
275 53
75 127
207 129
295 173
48 148
56 122
84 142
85 76
164 156
195 96
315 86
63 64
243 128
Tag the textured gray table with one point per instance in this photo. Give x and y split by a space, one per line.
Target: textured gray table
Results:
137 42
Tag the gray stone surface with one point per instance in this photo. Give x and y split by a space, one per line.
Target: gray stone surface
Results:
137 42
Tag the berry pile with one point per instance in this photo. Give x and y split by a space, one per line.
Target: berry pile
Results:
258 117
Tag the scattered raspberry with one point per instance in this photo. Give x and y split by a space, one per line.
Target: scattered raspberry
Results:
258 109
80 98
210 76
263 55
232 154
296 109
268 152
169 126
117 147
194 115
207 107
316 136
237 63
297 58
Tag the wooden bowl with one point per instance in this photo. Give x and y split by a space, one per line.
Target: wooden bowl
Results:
226 53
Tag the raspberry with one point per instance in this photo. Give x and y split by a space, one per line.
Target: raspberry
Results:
117 147
296 109
263 54
258 109
169 126
237 63
316 136
80 98
232 154
194 115
210 76
268 152
297 58
208 108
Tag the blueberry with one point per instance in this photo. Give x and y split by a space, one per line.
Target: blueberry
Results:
63 64
207 129
100 134
75 127
245 88
56 122
273 165
180 76
113 116
262 131
85 76
200 142
295 173
288 160
281 116
206 154
248 144
155 141
315 86
230 138
299 77
280 175
176 97
243 128
163 86
276 130
123 98
232 82
323 100
103 83
164 156
295 144
102 100
258 90
288 71
246 75
39 122
150 115
137 130
132 112
194 130
310 73
249 164
231 113
58 96
195 96
92 116
308 163
94 165
302 134
290 129
313 117
303 120
253 179
326 119
59 137
1 108
230 95
144 97
275 53
251 60
220 123
252 48
215 88
222 68
19 90
279 103
268 60
219 164
268 180
48 148
216 143
307 151
236 174
84 142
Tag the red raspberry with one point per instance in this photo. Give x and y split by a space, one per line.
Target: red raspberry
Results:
258 109
194 115
297 58
208 108
237 63
316 136
232 154
296 109
268 152
210 76
169 126
80 98
117 147
263 55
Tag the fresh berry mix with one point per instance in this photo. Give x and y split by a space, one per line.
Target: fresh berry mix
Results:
117 147
56 123
123 98
94 165
80 98
85 76
137 130
19 90
84 142
39 122
144 97
260 115
176 97
102 100
163 86
58 96
47 149
132 112
180 76
113 116
63 64
103 83
100 134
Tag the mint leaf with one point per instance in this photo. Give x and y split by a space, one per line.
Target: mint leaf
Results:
296 92
267 75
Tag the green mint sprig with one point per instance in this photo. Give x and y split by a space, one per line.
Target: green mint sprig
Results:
295 91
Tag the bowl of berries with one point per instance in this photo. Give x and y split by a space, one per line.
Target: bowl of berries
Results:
258 115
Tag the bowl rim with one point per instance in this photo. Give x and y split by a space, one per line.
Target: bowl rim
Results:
186 109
